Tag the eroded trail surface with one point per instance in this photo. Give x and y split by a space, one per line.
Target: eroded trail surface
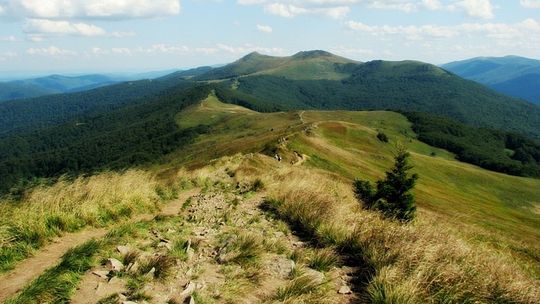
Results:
220 248
50 255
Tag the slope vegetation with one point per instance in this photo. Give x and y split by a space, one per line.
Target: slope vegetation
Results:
303 65
276 220
410 86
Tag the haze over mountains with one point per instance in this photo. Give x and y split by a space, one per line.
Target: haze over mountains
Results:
57 84
512 75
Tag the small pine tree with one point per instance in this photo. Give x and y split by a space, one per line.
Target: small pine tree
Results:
392 196
364 192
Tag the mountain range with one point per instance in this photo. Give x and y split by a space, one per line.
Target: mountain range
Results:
134 122
58 84
511 75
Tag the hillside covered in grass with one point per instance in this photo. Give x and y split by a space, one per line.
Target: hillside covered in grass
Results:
285 231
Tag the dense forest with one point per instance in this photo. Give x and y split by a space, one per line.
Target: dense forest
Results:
23 115
490 149
385 86
131 135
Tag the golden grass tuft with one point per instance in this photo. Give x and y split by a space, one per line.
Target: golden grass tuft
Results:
69 205
424 262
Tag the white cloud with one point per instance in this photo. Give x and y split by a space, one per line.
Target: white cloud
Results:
264 28
290 10
101 9
433 4
530 3
162 48
476 8
528 29
122 34
406 6
340 8
50 51
50 27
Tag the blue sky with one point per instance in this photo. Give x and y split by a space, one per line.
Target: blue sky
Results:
137 35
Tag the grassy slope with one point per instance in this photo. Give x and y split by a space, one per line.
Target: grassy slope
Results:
495 206
304 65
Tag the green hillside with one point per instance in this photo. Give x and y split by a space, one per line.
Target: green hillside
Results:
273 193
303 65
379 85
499 207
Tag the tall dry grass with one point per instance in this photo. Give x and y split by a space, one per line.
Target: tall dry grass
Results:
66 206
423 262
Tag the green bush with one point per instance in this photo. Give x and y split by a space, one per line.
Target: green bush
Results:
392 197
382 137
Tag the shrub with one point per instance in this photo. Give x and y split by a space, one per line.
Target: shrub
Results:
382 137
392 197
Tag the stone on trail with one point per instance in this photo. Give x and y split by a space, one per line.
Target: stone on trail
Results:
123 250
114 265
344 290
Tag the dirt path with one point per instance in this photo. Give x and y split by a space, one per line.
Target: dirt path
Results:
212 223
50 255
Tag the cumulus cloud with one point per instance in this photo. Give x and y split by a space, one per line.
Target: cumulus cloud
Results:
53 27
291 10
163 48
50 51
264 28
528 28
340 8
100 9
476 8
530 3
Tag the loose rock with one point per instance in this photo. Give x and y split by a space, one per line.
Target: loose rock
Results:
114 265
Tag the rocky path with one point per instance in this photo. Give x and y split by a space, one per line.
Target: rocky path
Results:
29 269
225 249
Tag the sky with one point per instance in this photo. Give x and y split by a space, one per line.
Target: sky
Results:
75 36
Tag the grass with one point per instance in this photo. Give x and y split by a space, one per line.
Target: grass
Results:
68 206
161 265
323 259
425 262
244 249
302 285
56 284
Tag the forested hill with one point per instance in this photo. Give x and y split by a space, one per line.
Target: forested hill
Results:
41 112
380 85
121 138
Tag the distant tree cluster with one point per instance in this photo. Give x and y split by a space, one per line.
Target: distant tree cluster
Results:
490 149
392 195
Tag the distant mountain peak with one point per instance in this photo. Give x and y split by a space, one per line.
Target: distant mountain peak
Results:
313 54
